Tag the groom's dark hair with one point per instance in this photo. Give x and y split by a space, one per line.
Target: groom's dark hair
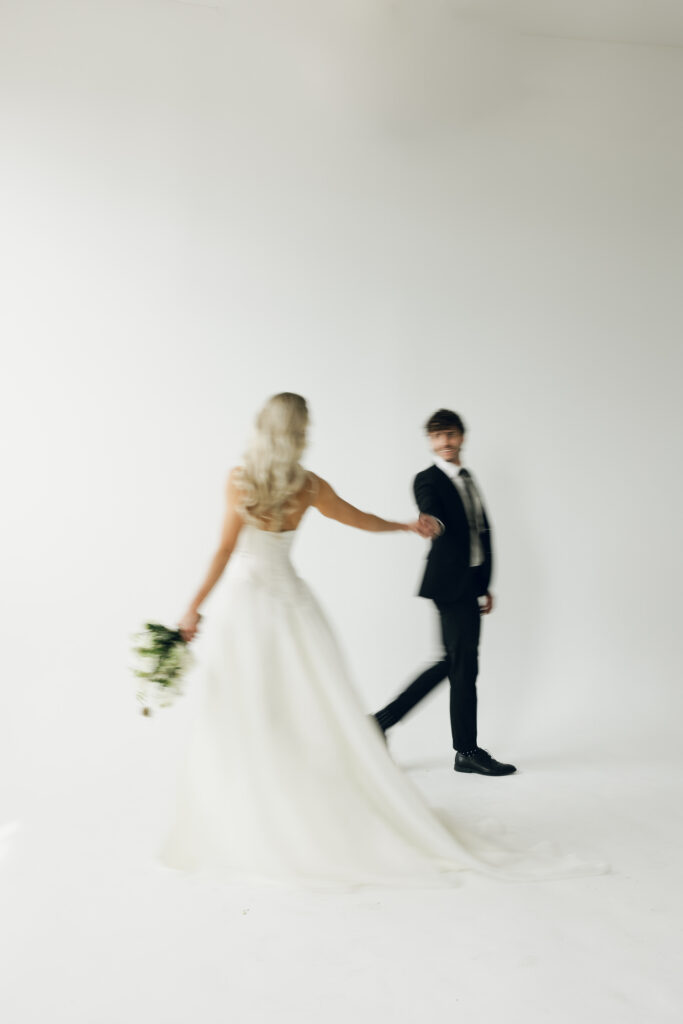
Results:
444 419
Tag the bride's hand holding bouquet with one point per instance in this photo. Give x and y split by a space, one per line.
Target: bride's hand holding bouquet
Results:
163 659
189 624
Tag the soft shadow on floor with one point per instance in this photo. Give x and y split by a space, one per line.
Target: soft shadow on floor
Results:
421 764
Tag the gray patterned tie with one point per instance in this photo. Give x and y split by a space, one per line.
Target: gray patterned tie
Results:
472 504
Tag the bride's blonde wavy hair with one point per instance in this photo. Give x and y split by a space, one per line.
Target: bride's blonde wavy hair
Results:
271 475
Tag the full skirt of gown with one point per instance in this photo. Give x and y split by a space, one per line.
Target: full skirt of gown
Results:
285 777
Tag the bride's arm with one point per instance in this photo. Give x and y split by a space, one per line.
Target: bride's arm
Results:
327 501
232 524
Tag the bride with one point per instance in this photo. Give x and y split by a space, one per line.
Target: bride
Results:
286 777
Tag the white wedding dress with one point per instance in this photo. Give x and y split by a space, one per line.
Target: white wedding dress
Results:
286 778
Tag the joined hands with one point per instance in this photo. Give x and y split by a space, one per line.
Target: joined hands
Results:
426 526
429 526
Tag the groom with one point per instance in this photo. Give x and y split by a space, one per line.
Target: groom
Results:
458 572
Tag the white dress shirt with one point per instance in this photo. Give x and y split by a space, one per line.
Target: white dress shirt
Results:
477 524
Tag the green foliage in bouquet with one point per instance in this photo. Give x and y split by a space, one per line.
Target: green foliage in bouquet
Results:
163 659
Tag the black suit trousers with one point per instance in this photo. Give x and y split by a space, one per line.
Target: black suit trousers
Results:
460 631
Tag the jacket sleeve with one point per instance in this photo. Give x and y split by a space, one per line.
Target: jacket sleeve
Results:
427 498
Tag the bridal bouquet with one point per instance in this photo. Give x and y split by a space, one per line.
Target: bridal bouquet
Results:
163 658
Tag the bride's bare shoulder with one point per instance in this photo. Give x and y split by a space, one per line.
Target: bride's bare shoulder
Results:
235 481
320 490
314 485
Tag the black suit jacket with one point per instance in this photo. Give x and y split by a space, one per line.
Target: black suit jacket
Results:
447 572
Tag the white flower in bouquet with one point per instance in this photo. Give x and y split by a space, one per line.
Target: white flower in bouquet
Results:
163 659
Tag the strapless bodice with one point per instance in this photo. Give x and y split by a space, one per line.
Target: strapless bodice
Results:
263 557
264 543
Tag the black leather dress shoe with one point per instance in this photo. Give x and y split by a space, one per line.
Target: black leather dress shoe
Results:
481 762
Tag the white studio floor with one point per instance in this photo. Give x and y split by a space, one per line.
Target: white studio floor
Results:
94 933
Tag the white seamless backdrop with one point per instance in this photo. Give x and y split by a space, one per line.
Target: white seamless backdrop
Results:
386 207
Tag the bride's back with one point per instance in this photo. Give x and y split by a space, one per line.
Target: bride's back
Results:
297 506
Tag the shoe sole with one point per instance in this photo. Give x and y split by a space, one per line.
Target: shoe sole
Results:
492 775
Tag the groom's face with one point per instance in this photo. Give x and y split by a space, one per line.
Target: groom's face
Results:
447 443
